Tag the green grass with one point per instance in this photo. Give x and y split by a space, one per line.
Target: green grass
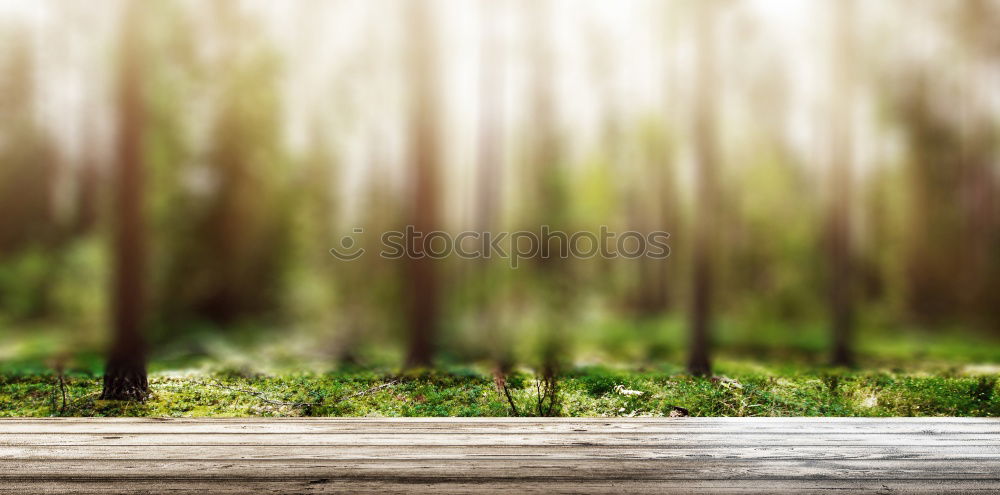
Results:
740 389
762 370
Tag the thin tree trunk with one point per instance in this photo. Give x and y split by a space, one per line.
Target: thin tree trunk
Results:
704 142
550 197
488 284
88 186
422 280
491 119
841 301
125 372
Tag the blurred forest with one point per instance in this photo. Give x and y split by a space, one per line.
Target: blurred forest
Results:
173 174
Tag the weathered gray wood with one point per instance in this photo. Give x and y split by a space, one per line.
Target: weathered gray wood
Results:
457 452
581 439
399 470
240 487
523 455
716 426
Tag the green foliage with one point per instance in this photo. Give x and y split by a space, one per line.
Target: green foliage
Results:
224 208
23 281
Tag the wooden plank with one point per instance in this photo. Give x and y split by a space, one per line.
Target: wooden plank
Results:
686 426
525 468
581 439
324 486
445 452
528 455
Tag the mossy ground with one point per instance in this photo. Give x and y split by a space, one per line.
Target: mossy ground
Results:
739 389
760 371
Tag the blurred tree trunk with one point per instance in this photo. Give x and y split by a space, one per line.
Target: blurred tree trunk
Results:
655 294
28 183
487 284
838 215
979 271
551 199
89 189
953 232
27 156
88 197
706 187
125 372
227 232
422 278
491 120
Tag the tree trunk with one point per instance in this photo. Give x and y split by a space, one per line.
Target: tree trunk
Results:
704 240
125 373
485 283
422 283
88 187
550 201
841 303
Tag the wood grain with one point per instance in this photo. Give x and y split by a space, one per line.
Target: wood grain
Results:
518 455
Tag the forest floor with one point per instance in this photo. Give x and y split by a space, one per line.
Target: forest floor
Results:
738 389
907 374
